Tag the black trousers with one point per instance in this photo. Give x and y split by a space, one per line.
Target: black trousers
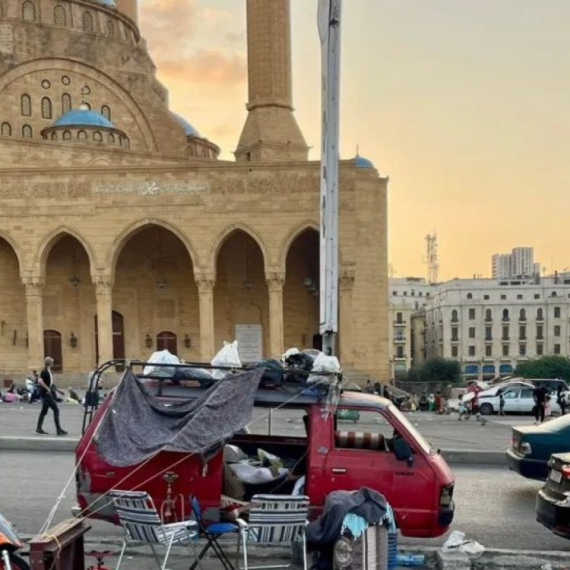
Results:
49 403
539 412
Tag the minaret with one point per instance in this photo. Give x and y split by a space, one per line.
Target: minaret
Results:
271 132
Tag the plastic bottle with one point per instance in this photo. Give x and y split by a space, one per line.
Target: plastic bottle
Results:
411 559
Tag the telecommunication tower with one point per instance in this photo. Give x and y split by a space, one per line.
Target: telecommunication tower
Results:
431 258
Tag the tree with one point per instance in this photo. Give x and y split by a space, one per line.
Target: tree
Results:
440 370
545 367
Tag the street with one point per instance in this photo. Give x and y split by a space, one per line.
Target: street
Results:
493 505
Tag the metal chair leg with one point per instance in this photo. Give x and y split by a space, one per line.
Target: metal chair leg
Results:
168 552
157 559
244 538
124 547
304 552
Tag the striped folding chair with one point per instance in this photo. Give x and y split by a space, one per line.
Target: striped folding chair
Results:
274 519
141 522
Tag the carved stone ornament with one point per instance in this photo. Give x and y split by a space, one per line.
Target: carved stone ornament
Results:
275 280
205 282
103 284
346 279
33 285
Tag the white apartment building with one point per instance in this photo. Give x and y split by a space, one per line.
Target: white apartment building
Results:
490 325
519 264
408 297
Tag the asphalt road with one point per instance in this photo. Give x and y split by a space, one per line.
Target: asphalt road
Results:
494 506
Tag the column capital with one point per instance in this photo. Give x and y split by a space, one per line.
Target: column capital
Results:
346 279
103 284
33 285
205 281
275 280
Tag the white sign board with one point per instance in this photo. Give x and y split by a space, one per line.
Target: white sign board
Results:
250 342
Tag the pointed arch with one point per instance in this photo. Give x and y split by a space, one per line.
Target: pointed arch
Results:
52 238
225 234
293 234
12 243
136 227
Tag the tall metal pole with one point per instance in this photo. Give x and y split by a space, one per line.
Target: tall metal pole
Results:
329 18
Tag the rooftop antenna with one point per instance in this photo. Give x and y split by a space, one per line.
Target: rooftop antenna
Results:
432 258
329 15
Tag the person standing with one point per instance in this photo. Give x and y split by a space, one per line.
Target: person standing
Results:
539 395
47 389
560 400
501 404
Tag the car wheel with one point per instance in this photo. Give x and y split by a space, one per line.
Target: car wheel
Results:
486 409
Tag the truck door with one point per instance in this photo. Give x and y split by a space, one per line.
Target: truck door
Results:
362 456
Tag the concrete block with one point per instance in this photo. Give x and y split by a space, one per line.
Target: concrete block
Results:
453 561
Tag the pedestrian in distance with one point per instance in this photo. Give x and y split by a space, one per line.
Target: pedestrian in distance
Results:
501 404
539 394
462 409
560 400
369 388
48 396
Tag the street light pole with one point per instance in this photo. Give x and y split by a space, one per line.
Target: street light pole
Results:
329 16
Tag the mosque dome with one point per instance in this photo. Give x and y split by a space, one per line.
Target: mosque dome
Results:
188 128
108 3
83 117
362 162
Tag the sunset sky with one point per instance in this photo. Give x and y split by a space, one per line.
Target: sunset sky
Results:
464 104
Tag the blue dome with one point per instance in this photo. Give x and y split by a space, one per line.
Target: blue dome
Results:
110 3
83 117
362 162
188 128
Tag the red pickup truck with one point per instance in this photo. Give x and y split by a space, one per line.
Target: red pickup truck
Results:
383 451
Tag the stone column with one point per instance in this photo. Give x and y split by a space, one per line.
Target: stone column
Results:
275 282
346 286
205 283
34 305
104 298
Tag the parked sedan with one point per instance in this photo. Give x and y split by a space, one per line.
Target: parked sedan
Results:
553 501
518 399
532 446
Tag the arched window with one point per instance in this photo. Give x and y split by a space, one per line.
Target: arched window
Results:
27 132
28 11
46 108
111 138
97 136
553 294
454 318
54 136
6 130
66 135
59 16
539 315
120 141
87 22
26 106
522 315
106 112
470 295
110 28
127 143
488 315
505 314
65 103
86 105
166 340
82 136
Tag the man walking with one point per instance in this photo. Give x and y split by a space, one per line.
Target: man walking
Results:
47 389
539 395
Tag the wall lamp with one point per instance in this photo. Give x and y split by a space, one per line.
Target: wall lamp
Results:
148 341
73 341
187 341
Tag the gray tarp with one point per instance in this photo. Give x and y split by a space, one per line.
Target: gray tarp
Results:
137 424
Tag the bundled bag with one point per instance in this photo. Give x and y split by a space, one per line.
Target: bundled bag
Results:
273 371
228 357
161 357
324 363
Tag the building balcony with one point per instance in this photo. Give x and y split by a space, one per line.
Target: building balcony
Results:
489 339
488 320
523 320
399 339
522 339
540 337
455 340
400 358
539 319
400 323
505 319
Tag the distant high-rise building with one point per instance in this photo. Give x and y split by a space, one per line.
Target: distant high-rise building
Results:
519 264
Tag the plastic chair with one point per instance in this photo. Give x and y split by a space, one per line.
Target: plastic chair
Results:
141 522
211 532
274 519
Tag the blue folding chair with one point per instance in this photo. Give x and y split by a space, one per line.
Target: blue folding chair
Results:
211 532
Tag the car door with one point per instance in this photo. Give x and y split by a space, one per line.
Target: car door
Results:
362 457
526 401
512 399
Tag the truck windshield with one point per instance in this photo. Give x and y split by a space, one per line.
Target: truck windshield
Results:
426 446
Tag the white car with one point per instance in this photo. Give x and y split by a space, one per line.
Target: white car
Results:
494 390
518 399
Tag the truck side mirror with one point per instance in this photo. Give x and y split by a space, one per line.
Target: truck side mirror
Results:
402 449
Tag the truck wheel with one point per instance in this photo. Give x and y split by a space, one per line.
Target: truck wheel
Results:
486 409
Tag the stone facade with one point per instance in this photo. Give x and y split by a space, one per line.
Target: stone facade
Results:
117 250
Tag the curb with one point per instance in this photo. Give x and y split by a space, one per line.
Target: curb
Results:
46 444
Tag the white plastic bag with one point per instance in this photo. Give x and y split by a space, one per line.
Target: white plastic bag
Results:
228 356
324 363
161 357
289 353
456 541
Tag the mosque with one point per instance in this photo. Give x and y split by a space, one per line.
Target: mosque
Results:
121 231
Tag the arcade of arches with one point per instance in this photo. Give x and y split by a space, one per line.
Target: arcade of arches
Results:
154 299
